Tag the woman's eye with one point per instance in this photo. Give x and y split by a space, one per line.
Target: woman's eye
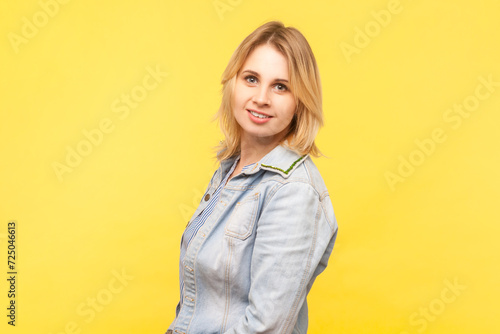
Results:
250 78
281 87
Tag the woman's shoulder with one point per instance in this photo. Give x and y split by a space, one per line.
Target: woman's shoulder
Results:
304 187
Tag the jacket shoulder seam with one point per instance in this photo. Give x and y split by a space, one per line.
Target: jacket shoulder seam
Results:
325 213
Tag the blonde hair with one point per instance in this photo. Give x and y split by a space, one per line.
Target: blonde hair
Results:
305 85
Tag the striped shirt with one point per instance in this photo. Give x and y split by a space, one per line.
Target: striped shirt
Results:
198 222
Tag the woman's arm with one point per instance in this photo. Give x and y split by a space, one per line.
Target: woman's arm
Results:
296 230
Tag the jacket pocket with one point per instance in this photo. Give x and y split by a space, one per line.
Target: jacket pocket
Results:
242 219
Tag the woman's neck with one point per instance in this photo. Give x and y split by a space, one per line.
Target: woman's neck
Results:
252 151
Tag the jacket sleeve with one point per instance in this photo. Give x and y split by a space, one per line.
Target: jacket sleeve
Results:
294 238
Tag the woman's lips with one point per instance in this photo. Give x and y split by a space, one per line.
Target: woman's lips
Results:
258 117
258 112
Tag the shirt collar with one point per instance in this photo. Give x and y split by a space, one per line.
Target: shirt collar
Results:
280 160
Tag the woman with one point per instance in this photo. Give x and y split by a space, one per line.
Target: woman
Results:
265 226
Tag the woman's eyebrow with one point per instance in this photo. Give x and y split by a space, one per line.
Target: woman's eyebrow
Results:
257 75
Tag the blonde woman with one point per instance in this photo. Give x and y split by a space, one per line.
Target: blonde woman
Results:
265 227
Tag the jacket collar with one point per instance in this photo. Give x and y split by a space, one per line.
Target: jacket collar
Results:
281 160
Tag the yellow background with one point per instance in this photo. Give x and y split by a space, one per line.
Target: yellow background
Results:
125 205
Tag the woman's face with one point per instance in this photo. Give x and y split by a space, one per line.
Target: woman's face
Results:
262 103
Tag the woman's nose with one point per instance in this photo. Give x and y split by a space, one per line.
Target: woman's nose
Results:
261 96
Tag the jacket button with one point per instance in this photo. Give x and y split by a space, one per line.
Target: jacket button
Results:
207 197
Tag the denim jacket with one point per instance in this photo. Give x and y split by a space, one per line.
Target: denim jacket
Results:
251 265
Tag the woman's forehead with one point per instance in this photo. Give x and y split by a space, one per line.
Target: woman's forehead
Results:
267 62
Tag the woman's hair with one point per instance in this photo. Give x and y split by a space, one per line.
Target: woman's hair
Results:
305 85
